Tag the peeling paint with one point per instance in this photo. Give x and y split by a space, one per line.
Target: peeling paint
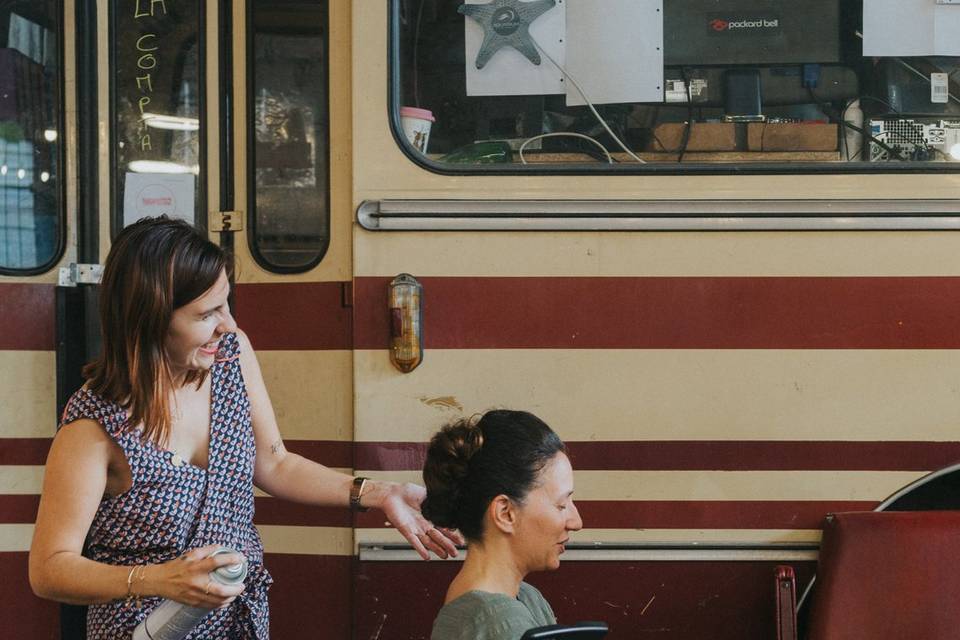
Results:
444 403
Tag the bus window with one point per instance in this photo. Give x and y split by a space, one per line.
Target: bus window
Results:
156 109
31 180
289 194
674 86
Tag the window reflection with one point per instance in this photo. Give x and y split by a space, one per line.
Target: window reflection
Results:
157 109
30 77
289 105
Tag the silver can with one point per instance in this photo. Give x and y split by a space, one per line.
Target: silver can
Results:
173 620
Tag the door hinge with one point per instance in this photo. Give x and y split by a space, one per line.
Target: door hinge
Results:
221 221
74 274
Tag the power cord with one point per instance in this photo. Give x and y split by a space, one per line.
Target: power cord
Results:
830 111
563 133
593 110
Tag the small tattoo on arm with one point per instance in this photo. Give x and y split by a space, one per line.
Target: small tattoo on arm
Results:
277 448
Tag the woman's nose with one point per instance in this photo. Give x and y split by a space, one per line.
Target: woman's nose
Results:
227 323
575 523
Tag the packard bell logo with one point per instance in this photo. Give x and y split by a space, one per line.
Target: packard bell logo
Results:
718 24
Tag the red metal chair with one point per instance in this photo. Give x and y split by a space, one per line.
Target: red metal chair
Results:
881 574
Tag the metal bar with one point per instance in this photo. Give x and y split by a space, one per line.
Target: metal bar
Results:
585 552
659 215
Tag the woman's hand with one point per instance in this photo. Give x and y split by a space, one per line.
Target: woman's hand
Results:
401 504
187 579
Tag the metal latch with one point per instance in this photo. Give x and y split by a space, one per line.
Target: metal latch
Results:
221 221
74 274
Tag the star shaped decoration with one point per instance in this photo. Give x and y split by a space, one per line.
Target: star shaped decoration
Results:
506 23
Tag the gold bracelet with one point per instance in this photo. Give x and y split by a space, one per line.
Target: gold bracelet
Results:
130 585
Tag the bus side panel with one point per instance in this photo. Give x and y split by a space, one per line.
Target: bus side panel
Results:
27 425
733 408
302 332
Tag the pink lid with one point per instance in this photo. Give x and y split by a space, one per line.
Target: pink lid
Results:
414 112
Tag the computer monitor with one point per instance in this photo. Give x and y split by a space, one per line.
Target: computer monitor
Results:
750 32
742 54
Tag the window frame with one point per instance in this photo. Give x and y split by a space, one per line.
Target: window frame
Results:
200 197
60 246
394 85
251 142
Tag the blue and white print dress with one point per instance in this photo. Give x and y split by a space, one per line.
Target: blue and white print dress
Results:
173 506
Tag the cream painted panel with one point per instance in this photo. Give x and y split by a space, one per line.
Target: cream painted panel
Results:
627 536
20 480
658 254
310 391
316 541
15 537
382 171
686 394
721 485
28 394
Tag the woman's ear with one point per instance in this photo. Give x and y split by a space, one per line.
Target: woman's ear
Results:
503 513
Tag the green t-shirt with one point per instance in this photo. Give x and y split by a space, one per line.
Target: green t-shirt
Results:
480 615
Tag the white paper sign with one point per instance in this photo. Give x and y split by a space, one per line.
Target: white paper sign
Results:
910 28
509 73
154 194
615 50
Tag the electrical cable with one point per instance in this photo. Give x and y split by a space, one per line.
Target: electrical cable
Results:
589 103
571 134
825 106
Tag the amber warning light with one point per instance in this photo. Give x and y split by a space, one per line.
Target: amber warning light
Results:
406 322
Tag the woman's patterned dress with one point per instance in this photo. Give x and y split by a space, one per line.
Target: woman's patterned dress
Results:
173 506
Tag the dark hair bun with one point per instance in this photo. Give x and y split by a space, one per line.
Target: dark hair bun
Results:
446 469
470 462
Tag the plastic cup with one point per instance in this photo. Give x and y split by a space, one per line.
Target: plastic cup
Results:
416 126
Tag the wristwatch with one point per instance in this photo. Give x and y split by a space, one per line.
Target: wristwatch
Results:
356 491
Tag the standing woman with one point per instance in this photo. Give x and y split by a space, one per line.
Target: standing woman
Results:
157 455
506 483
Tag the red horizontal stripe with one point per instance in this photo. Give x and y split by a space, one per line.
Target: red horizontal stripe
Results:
27 317
332 453
24 451
710 514
696 514
24 615
673 313
638 600
281 512
19 509
295 315
707 455
311 596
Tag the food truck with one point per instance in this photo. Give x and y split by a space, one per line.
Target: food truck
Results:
714 245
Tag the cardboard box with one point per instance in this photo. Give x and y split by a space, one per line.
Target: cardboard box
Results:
791 136
704 136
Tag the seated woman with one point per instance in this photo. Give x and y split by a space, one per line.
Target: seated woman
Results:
506 483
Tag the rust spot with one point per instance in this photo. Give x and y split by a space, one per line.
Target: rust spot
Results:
447 403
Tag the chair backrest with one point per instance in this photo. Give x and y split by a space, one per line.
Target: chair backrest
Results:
888 575
578 631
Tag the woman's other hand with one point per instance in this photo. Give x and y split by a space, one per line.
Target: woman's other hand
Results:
187 579
401 504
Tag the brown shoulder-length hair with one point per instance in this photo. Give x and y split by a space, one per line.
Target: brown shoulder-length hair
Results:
155 266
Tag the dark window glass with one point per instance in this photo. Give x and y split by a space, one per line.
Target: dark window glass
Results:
289 193
31 174
156 97
726 85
